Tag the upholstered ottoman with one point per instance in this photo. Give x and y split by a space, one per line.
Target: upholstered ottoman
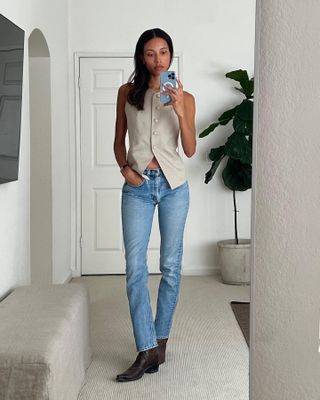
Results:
44 342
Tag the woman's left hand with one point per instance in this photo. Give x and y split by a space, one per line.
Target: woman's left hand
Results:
177 100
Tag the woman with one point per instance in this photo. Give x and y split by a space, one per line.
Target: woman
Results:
154 176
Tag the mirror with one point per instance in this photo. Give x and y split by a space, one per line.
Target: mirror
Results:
210 40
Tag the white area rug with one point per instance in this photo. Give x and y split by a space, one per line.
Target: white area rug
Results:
207 357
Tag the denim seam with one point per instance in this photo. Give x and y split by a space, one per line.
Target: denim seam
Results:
175 302
151 323
148 347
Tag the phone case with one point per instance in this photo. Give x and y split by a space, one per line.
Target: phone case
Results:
167 77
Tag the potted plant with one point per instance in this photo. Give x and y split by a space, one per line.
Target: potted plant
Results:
234 254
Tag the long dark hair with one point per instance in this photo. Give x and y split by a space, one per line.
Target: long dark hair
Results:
140 77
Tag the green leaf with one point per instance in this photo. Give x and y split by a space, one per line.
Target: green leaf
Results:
242 127
238 148
249 128
236 175
222 120
242 77
212 170
245 110
227 115
216 153
209 129
243 120
249 89
238 75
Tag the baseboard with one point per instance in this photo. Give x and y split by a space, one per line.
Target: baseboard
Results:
68 279
197 271
75 273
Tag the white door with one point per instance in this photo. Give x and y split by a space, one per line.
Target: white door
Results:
102 245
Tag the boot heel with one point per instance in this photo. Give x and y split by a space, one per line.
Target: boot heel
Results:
152 369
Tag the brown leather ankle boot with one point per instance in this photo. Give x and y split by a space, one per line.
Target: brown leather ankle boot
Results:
162 343
146 361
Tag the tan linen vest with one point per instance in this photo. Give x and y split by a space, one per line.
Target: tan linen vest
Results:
154 131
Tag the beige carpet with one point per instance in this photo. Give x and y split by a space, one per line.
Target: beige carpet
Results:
207 355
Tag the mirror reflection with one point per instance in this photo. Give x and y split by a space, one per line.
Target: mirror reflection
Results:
163 194
189 330
180 321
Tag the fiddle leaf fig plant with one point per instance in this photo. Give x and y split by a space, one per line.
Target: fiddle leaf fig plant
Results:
237 172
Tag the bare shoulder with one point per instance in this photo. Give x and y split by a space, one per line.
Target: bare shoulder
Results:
125 87
123 92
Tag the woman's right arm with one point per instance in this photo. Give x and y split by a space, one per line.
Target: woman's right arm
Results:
119 145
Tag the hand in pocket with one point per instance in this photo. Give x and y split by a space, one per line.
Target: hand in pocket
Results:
132 177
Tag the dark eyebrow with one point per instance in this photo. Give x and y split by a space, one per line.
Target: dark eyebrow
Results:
162 48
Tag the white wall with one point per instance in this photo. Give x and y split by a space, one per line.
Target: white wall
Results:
284 357
214 37
51 19
40 166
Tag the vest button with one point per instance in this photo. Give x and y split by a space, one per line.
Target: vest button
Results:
157 107
155 132
158 95
155 120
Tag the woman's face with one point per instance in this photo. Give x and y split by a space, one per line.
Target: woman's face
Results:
156 56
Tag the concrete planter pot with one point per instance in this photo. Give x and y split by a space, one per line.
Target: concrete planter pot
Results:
234 260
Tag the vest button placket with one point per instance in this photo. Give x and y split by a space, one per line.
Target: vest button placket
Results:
155 119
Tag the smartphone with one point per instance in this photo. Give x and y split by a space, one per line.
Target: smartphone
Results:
167 78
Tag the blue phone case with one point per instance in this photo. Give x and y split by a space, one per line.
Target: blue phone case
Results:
167 77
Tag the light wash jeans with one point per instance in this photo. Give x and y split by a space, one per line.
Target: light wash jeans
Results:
138 205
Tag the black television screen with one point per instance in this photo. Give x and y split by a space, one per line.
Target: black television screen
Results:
11 71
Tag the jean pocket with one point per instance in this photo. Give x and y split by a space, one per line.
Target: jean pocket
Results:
135 186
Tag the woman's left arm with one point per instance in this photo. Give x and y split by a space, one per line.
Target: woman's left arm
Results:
184 106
